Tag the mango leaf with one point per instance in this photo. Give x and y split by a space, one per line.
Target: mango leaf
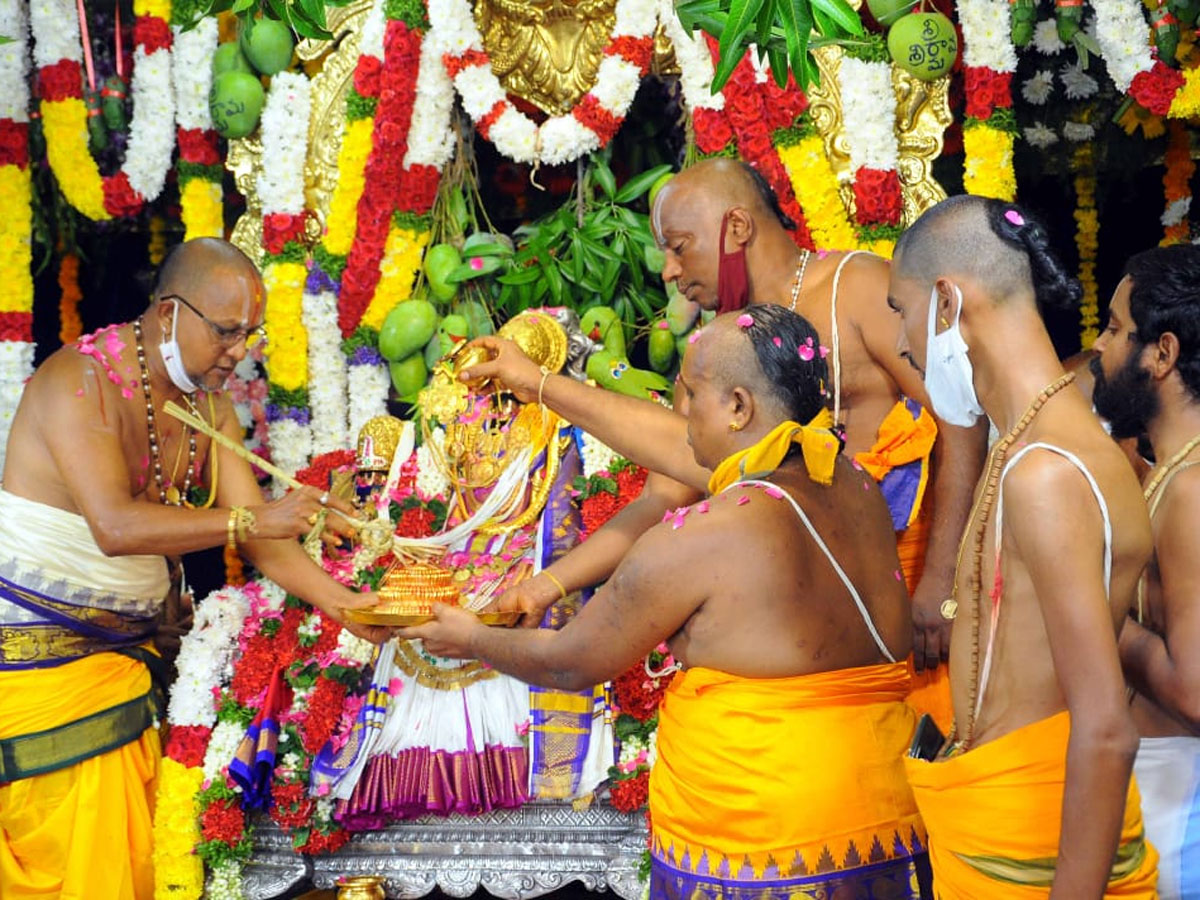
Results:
240 6
762 31
520 276
842 13
605 178
726 63
741 18
797 23
779 64
485 265
315 10
639 184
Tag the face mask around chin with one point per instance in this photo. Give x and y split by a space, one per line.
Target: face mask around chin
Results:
173 358
949 376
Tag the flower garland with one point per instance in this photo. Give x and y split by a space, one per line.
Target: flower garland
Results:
710 128
989 61
560 139
802 151
1122 33
70 326
281 192
16 217
199 166
58 50
1087 242
326 365
1177 185
869 116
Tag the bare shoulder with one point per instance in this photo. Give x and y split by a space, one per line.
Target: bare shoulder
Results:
1179 508
864 281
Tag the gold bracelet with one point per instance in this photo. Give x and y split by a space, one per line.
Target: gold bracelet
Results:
231 529
546 373
562 591
242 523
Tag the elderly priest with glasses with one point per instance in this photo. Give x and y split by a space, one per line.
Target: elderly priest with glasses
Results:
99 486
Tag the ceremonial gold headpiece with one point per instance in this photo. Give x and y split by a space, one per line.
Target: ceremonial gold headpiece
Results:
538 335
377 442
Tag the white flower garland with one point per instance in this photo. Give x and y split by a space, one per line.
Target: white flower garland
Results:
55 25
1078 131
1038 87
1123 35
695 61
16 365
206 656
225 882
222 745
986 40
284 144
1046 39
1040 136
14 63
192 71
326 373
431 480
1077 84
561 138
291 448
368 389
597 456
430 136
869 113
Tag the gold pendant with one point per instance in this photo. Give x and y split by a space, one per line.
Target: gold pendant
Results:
173 496
949 609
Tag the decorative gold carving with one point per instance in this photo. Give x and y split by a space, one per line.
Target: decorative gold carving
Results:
546 51
922 114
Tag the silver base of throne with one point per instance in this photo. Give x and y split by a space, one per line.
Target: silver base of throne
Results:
513 854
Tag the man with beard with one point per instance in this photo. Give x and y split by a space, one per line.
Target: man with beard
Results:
98 488
1148 380
726 246
1031 797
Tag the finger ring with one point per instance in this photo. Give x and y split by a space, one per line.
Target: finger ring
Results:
324 499
312 520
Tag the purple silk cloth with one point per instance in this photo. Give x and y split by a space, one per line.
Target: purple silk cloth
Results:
421 781
254 762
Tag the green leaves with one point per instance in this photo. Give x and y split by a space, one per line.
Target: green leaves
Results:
781 29
307 18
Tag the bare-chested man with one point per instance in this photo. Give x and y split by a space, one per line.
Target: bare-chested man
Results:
1148 382
779 746
1032 797
722 202
94 477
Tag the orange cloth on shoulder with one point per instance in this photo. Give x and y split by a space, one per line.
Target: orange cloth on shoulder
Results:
84 831
994 816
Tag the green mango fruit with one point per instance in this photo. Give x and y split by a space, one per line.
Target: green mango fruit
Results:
661 349
235 102
659 184
479 323
440 261
681 312
408 376
888 12
268 45
230 58
924 44
407 329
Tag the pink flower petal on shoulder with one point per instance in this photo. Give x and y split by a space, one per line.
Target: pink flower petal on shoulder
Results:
745 320
743 500
773 492
702 507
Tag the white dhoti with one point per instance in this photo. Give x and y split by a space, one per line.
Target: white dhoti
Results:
1168 774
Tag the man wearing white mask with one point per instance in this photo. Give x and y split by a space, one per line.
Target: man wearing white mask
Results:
99 485
1031 796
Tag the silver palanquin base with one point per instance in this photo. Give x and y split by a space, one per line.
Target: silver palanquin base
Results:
513 854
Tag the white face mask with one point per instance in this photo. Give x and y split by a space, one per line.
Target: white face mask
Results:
173 358
949 377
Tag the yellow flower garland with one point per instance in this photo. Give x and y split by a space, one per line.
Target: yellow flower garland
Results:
178 872
287 346
1087 242
1186 102
343 207
201 209
988 169
64 123
398 271
16 231
1177 181
816 187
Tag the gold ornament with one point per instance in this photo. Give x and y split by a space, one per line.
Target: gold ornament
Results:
540 337
444 399
415 588
377 442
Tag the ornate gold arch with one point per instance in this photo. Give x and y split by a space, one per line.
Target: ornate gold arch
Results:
556 65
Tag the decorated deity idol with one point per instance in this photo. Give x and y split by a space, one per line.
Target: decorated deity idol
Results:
438 735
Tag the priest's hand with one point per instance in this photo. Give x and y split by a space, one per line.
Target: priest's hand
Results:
336 610
449 634
508 365
532 597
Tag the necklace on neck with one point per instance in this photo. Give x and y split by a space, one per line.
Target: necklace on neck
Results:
981 516
798 278
168 495
1166 469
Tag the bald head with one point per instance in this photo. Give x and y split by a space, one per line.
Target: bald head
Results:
771 352
712 186
192 264
994 244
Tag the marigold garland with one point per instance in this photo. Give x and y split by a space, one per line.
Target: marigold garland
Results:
401 260
988 167
802 151
1177 188
70 326
198 168
178 873
1087 242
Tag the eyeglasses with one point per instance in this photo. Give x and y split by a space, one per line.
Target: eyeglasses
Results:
225 336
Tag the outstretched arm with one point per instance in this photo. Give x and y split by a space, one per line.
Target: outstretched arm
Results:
958 457
1058 535
640 430
1167 668
597 558
652 594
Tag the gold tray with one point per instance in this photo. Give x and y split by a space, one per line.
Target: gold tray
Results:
404 620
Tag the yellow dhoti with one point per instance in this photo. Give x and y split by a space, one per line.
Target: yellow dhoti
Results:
785 787
77 756
899 461
994 816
